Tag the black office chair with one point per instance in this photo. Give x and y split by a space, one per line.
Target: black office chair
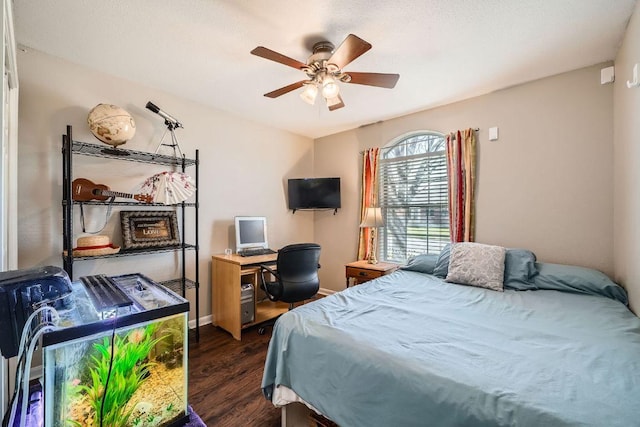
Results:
296 275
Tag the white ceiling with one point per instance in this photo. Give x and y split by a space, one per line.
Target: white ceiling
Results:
444 50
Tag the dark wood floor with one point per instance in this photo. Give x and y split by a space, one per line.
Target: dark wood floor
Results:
225 377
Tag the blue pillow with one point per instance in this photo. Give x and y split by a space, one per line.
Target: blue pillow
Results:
519 269
442 265
421 263
570 278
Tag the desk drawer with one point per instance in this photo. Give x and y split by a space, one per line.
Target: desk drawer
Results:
363 274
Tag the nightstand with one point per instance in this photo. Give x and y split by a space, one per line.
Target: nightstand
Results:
362 271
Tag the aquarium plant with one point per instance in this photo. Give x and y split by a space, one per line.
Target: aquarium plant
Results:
129 369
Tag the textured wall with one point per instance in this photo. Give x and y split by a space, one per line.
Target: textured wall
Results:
244 168
545 185
627 165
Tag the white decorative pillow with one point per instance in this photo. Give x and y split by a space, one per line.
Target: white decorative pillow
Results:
477 264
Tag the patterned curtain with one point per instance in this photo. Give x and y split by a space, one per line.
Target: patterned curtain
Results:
369 197
461 167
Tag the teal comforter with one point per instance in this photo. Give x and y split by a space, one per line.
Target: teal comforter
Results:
409 349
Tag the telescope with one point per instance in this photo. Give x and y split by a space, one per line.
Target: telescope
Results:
169 120
172 123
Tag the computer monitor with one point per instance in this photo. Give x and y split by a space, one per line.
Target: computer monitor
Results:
251 232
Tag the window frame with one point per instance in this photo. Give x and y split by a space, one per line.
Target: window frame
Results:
431 206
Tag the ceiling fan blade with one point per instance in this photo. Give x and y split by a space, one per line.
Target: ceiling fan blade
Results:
335 103
265 53
293 86
374 79
351 48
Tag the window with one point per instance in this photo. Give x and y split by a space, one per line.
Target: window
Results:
413 196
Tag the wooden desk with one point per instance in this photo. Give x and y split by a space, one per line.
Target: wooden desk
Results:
362 271
228 273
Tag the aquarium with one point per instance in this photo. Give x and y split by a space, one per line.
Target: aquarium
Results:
120 365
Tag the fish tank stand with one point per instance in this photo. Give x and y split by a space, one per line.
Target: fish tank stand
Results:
118 358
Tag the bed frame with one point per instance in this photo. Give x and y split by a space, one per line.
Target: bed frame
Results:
295 415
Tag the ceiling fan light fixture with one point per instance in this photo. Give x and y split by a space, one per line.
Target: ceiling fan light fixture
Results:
324 71
330 88
309 93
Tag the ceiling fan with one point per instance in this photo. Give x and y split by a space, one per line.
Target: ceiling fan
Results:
324 71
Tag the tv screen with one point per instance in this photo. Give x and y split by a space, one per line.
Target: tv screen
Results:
314 193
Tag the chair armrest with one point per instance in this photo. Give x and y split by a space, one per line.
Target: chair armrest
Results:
263 285
269 269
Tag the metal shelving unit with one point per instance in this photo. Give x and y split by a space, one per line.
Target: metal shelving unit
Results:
71 147
95 150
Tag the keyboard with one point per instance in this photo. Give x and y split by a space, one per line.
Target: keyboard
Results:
256 252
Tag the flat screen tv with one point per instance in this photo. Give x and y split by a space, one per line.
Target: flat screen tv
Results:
314 193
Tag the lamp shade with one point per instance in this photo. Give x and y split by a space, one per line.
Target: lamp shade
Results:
330 88
309 93
372 218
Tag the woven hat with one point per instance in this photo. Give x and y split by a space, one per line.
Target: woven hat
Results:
94 245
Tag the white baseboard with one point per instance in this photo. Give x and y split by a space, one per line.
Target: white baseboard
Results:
326 292
204 320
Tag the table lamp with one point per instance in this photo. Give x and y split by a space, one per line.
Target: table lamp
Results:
372 220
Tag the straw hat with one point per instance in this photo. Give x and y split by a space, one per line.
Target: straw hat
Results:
94 245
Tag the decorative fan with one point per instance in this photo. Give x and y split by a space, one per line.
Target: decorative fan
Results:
169 187
324 70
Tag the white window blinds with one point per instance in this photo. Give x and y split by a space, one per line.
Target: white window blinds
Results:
414 197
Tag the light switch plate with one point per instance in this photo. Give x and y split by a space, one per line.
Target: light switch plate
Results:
493 134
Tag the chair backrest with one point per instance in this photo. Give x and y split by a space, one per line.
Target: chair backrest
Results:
298 271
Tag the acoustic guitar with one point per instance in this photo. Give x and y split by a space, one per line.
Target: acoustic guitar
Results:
84 190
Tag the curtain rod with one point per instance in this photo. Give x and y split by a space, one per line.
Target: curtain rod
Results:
455 136
475 130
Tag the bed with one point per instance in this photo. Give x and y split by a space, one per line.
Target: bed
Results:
410 349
